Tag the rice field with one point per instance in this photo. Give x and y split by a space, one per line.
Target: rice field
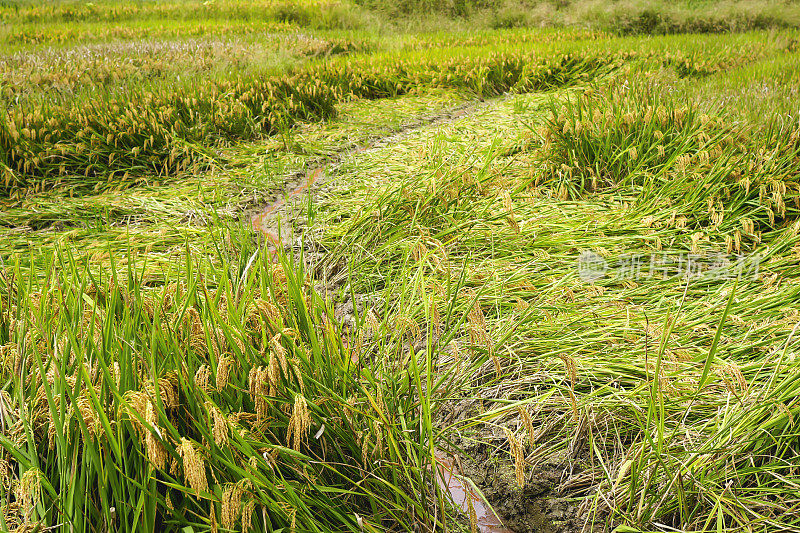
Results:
329 266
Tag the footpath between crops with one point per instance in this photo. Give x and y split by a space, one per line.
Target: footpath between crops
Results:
277 221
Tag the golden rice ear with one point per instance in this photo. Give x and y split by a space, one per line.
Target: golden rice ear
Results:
273 374
570 368
258 380
88 414
372 322
527 422
219 343
734 380
279 284
247 515
212 518
231 505
420 251
267 311
298 374
518 453
224 367
168 388
365 450
194 468
479 333
155 450
134 402
192 321
280 352
299 423
202 378
219 431
116 374
29 492
436 319
406 324
508 207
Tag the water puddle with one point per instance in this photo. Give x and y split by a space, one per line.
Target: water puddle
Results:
462 494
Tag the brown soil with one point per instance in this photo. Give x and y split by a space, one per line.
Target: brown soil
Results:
536 507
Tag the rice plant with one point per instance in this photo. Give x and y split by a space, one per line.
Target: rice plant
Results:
556 265
220 393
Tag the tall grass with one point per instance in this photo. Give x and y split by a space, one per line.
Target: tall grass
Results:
432 305
636 138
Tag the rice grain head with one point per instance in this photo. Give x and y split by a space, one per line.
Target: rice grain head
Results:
508 207
436 319
231 505
155 450
406 324
365 450
517 451
116 374
786 411
258 380
299 423
570 368
224 367
573 403
194 323
273 374
298 374
88 414
478 330
212 518
168 387
202 378
265 310
372 322
29 492
194 468
280 352
247 515
527 422
733 378
219 430
133 402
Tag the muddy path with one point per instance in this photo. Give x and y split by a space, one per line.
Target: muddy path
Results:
277 220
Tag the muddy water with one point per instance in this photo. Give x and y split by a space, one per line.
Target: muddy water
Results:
463 495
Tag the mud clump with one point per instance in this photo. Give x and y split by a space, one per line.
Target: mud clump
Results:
537 506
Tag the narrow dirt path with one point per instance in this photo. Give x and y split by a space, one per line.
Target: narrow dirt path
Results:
275 220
